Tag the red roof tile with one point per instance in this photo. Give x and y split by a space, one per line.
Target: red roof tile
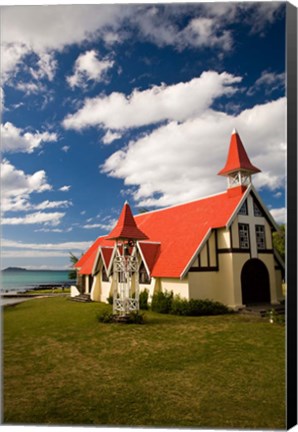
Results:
126 227
150 253
107 253
180 230
237 157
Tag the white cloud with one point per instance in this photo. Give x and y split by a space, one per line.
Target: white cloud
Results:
45 29
118 111
29 87
110 137
52 204
178 162
106 226
33 254
46 66
65 148
279 214
269 81
56 230
16 189
88 67
16 140
52 219
65 188
205 32
2 96
15 183
66 246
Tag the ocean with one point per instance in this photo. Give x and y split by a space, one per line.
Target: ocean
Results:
13 281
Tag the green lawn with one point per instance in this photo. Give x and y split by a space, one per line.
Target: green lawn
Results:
61 366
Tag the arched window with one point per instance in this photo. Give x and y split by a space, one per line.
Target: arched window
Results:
143 276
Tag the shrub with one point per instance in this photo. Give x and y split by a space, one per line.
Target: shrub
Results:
105 317
144 299
206 307
110 299
167 303
135 318
162 302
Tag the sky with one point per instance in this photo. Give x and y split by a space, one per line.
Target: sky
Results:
107 103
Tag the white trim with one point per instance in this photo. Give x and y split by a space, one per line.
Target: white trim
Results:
198 250
265 209
235 213
102 256
115 249
143 259
95 261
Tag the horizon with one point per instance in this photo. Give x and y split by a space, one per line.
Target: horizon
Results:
132 102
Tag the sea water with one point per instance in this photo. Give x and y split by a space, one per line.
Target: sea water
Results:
24 280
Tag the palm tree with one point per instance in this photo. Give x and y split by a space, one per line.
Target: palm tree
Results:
73 259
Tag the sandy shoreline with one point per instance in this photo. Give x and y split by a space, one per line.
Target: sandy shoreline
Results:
11 299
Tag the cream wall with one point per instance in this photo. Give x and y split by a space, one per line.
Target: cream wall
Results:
217 285
178 286
96 288
223 238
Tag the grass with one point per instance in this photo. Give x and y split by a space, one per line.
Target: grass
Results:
49 291
62 367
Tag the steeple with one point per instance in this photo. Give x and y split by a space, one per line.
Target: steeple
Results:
126 227
238 167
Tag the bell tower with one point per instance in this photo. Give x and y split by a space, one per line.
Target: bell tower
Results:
238 168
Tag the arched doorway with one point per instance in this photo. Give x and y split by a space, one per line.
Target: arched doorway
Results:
255 283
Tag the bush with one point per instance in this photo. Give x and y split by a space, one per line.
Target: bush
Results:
105 317
110 299
167 303
135 318
144 299
108 317
162 302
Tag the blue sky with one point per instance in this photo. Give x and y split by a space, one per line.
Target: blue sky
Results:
137 102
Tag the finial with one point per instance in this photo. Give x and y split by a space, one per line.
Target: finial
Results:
234 131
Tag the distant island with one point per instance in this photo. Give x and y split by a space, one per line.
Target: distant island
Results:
20 269
14 269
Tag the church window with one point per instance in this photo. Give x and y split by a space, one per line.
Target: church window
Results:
243 209
244 236
104 276
143 276
260 237
257 211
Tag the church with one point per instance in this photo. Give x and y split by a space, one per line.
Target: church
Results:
218 248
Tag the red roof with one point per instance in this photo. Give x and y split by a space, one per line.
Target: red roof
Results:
181 230
150 253
237 157
126 227
107 253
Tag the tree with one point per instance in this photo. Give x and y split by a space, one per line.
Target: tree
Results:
279 240
73 259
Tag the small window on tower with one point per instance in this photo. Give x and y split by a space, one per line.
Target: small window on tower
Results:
244 236
243 209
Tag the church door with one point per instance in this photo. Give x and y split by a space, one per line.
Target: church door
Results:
255 282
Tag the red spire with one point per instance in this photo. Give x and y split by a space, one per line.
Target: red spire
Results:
237 158
126 227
